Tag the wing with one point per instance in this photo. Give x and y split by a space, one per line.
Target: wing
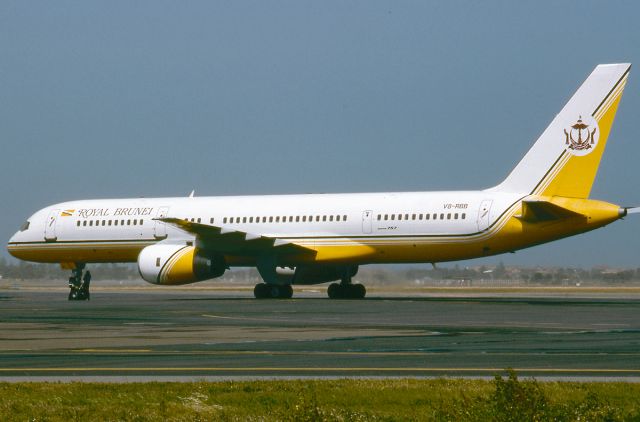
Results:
228 241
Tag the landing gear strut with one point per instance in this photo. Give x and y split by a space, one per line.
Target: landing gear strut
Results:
273 291
79 284
346 289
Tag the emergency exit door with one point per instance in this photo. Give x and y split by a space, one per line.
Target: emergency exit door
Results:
484 214
367 221
50 227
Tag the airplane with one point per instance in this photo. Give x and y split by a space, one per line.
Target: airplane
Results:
320 238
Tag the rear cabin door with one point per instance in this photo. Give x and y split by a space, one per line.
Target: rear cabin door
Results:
50 227
484 214
160 228
367 221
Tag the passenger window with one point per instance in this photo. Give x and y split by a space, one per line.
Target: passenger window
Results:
330 218
386 217
399 217
393 216
122 222
449 216
455 216
406 216
413 217
379 217
464 216
128 222
441 216
427 216
270 219
224 220
337 218
84 223
420 216
211 220
115 222
91 223
324 218
78 224
290 219
135 222
297 218
435 216
199 219
244 219
344 218
264 219
304 218
317 218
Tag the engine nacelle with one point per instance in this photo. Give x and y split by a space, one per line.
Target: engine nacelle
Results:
178 264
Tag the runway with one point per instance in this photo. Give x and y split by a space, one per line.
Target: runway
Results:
183 334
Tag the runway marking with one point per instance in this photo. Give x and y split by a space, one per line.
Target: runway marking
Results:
323 369
300 353
112 350
245 318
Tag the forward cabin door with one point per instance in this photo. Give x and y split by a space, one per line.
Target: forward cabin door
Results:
367 221
160 228
484 214
50 227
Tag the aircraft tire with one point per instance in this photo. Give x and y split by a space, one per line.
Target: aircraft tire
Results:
335 291
261 291
286 291
357 291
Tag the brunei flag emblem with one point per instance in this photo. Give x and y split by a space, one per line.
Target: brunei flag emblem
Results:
67 213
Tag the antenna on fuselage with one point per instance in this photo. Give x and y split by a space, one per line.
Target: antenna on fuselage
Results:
193 192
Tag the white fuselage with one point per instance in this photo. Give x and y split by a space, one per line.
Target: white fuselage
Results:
374 219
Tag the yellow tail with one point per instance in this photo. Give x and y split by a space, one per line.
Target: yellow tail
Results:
565 159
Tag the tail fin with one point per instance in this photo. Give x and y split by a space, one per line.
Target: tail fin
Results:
565 159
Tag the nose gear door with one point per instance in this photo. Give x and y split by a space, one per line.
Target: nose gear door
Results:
50 226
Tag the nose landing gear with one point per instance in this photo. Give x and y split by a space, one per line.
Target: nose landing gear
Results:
79 283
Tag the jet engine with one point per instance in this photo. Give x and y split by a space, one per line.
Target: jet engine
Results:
169 264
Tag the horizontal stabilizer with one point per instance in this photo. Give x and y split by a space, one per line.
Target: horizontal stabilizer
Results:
540 211
230 241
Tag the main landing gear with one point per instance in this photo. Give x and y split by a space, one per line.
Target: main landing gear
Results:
273 291
79 284
346 290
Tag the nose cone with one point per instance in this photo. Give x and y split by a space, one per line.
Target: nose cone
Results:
11 244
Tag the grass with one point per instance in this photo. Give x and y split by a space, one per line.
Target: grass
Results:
503 399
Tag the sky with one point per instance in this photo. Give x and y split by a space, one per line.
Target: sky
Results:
119 99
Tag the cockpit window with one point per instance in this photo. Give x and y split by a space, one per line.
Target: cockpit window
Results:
25 226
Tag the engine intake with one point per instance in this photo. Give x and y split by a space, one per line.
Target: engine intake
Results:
178 264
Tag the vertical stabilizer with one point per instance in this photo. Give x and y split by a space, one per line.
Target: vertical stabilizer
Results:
565 159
